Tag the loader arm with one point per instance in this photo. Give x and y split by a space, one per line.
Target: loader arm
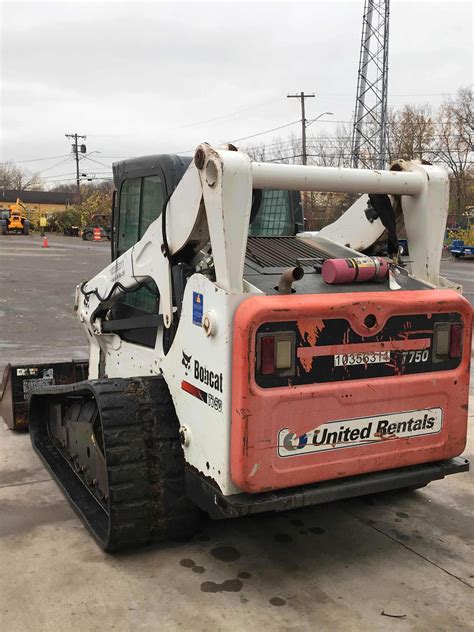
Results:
213 201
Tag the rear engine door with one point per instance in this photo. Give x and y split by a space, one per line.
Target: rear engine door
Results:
328 386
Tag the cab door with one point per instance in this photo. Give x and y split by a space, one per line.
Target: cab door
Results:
139 202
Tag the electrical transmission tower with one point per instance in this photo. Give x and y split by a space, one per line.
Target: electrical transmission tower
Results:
369 135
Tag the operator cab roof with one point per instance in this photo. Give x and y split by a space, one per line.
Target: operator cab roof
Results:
171 166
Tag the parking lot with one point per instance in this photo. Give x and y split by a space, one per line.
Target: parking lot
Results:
401 561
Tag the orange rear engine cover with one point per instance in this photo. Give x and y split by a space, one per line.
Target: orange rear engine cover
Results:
374 385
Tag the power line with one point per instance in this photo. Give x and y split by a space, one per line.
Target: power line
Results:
236 140
61 162
97 162
19 162
392 94
92 178
58 175
224 116
121 157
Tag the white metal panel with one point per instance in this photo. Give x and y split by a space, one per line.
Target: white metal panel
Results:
183 209
227 192
334 179
130 360
208 428
425 217
353 229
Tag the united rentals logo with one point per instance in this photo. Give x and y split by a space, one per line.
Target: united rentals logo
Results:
352 433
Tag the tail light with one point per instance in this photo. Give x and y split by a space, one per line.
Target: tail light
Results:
276 353
447 341
455 341
267 355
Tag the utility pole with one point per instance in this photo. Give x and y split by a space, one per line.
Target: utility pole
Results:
302 96
76 150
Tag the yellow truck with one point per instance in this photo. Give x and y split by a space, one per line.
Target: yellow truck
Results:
14 220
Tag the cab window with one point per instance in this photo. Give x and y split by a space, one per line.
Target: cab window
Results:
275 217
152 198
129 214
140 203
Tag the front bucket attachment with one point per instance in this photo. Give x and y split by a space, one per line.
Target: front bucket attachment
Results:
20 380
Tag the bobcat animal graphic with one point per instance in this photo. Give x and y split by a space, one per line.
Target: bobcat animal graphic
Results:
186 361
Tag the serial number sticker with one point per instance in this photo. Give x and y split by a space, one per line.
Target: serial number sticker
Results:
351 359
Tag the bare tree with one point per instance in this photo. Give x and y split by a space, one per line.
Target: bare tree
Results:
278 150
454 145
331 151
415 132
411 133
13 177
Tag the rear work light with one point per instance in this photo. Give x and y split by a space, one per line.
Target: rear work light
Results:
447 341
276 353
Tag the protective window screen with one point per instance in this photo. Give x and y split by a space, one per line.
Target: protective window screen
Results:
274 218
129 214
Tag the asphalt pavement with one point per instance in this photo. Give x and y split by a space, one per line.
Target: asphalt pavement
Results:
460 271
399 562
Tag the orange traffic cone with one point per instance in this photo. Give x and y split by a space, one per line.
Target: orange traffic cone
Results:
45 242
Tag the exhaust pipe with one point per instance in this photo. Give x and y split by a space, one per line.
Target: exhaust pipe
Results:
288 277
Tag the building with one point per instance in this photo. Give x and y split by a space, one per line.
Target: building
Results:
37 203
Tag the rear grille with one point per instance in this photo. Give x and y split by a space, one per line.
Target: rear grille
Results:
277 252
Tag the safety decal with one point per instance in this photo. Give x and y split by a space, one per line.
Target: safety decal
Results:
198 305
351 433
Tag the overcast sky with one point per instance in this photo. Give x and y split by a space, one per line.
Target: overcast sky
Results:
157 77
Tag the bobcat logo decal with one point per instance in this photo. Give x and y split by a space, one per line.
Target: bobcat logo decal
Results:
186 361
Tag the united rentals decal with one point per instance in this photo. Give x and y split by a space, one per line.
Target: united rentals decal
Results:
352 433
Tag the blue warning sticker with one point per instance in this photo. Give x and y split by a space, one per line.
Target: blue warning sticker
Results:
198 304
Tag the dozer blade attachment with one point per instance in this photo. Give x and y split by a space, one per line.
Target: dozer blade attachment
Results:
20 380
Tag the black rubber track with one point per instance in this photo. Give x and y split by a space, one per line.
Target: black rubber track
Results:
145 463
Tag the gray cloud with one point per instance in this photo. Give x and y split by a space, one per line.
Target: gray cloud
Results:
141 77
